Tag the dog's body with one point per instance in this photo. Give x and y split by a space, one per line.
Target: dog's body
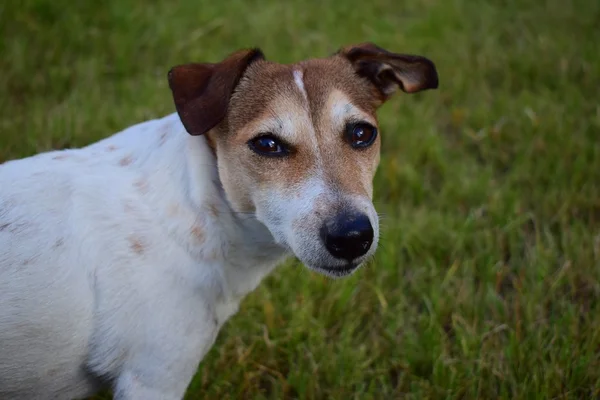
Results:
118 245
120 261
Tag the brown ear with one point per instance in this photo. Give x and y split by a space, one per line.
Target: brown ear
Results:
390 71
202 91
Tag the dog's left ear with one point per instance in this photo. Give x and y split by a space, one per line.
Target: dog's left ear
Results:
390 71
201 92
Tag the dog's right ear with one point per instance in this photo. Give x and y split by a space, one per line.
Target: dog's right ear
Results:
201 92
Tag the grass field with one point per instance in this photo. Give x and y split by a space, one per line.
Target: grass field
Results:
487 284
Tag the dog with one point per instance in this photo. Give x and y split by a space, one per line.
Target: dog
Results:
121 261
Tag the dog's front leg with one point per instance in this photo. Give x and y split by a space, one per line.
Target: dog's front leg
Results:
132 385
162 368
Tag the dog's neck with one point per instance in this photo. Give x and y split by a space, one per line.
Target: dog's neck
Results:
185 194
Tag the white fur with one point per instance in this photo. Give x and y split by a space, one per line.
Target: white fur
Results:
341 110
112 265
299 79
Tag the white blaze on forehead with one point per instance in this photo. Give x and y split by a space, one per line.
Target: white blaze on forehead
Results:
299 79
342 110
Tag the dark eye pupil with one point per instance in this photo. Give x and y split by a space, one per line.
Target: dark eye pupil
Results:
362 134
267 144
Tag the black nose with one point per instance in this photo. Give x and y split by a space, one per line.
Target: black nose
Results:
348 236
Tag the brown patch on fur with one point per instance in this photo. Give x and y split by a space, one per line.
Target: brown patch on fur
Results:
142 185
213 210
60 157
198 233
59 243
111 148
136 245
126 161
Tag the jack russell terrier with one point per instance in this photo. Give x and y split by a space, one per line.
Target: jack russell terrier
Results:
120 261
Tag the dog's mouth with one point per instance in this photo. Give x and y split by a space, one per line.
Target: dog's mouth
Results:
337 271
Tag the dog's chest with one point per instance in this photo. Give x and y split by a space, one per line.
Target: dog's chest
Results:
224 310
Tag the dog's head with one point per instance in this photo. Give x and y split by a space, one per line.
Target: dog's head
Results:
298 145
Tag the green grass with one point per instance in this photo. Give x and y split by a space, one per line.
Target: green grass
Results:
487 284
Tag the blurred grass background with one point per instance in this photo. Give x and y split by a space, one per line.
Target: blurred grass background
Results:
488 279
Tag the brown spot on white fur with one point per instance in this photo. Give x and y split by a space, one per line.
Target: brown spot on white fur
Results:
60 157
125 161
213 210
142 185
136 245
198 233
111 148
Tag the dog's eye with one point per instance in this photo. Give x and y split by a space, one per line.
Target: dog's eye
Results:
268 145
361 134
